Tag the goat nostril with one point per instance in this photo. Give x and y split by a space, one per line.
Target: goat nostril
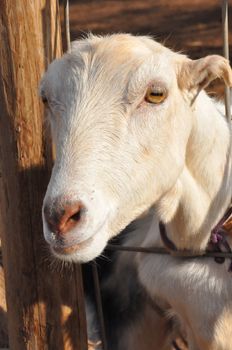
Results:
76 217
64 217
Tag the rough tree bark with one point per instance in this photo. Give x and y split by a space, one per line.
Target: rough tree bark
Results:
45 308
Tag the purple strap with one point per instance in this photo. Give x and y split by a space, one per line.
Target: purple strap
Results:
218 241
218 238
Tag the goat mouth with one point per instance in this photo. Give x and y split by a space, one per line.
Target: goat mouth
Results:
62 250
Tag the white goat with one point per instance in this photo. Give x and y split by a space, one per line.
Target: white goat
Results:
133 128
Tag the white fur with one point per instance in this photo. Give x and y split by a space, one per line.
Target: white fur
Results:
119 155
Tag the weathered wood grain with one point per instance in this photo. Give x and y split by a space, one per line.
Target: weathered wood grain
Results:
45 308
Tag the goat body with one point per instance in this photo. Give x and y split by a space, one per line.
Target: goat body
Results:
134 129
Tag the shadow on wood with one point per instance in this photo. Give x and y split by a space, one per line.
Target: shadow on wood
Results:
45 307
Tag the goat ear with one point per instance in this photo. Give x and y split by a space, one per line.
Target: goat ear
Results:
197 74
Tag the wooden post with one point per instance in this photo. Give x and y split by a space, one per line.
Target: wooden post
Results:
3 310
45 308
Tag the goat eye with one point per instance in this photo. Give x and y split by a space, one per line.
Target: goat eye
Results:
155 95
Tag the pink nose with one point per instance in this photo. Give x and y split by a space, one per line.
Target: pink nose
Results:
61 218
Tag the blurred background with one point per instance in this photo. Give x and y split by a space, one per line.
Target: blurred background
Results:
192 27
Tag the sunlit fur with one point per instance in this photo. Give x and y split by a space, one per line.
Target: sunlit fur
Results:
119 155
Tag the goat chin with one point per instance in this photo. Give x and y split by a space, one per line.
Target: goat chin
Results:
83 252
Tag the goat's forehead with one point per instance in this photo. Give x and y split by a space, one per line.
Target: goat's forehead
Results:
119 50
109 57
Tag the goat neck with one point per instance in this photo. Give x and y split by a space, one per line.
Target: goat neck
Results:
202 193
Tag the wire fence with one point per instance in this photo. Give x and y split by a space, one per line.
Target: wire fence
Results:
114 247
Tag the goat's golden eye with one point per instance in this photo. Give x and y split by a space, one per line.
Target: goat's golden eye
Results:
155 95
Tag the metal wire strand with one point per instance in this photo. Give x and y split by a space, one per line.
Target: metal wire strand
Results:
225 32
67 25
181 253
97 292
